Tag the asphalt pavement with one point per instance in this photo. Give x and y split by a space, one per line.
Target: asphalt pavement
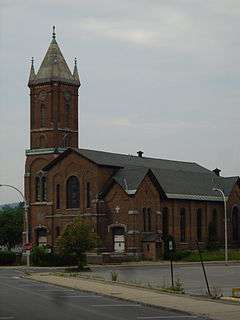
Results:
221 278
25 299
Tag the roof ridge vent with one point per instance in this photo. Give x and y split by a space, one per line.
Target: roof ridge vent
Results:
140 154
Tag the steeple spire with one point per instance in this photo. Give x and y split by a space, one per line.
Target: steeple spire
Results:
75 73
32 73
54 33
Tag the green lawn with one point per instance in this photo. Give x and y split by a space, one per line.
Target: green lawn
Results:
209 255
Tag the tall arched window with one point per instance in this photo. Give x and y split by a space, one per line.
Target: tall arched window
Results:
149 218
182 225
199 225
165 222
213 231
42 115
37 189
67 115
88 195
73 192
144 219
44 189
235 222
40 188
57 196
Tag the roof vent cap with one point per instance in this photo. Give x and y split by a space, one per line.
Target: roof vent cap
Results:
217 172
140 154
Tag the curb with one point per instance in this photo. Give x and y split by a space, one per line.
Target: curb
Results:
126 299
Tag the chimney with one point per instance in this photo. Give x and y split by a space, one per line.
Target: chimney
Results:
140 154
217 172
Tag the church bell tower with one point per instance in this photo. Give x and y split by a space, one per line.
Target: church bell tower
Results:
53 102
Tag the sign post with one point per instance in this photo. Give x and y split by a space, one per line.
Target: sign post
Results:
170 247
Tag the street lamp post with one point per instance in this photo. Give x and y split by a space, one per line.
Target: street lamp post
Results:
225 223
25 217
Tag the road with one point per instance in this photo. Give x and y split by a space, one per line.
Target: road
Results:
221 278
24 299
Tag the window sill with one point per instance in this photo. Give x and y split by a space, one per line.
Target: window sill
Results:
41 203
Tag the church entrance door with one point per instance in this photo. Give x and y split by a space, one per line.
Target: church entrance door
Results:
118 239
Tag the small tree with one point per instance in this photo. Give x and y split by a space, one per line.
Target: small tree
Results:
76 239
11 225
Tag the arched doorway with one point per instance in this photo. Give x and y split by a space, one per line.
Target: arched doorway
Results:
41 235
118 238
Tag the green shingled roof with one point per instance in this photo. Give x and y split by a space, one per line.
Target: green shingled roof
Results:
176 179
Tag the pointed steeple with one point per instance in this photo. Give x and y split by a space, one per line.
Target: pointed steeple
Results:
75 73
54 66
32 74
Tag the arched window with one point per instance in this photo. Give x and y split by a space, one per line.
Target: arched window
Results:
149 218
88 196
165 222
57 231
73 192
182 225
213 226
235 222
57 196
43 189
37 189
144 219
199 225
67 115
42 115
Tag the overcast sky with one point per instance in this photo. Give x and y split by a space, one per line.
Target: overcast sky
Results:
162 76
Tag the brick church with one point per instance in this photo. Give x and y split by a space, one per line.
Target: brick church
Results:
131 202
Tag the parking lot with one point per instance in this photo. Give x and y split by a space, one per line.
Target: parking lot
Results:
221 278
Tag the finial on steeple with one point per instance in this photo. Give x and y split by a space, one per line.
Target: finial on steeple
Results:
75 73
32 73
54 32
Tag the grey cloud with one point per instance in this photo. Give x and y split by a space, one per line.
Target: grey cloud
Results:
161 75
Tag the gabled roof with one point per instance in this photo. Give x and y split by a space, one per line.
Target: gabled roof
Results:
123 160
176 179
55 68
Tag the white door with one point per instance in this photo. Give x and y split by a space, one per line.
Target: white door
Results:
119 243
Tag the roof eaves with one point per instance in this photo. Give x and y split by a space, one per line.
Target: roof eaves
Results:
194 197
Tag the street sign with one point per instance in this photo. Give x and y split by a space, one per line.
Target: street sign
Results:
27 247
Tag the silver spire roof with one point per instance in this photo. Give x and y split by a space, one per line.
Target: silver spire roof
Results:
54 67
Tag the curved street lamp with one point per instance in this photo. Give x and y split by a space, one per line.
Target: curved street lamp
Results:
225 222
25 216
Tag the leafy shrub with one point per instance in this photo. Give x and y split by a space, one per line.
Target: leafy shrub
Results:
7 258
114 276
40 257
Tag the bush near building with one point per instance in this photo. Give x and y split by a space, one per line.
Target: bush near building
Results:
42 258
7 258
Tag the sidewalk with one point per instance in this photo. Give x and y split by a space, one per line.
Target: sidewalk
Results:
213 309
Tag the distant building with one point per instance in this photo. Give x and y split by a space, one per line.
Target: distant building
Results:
131 202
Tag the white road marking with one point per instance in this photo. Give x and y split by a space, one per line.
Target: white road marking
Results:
116 305
75 296
168 317
6 318
56 290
